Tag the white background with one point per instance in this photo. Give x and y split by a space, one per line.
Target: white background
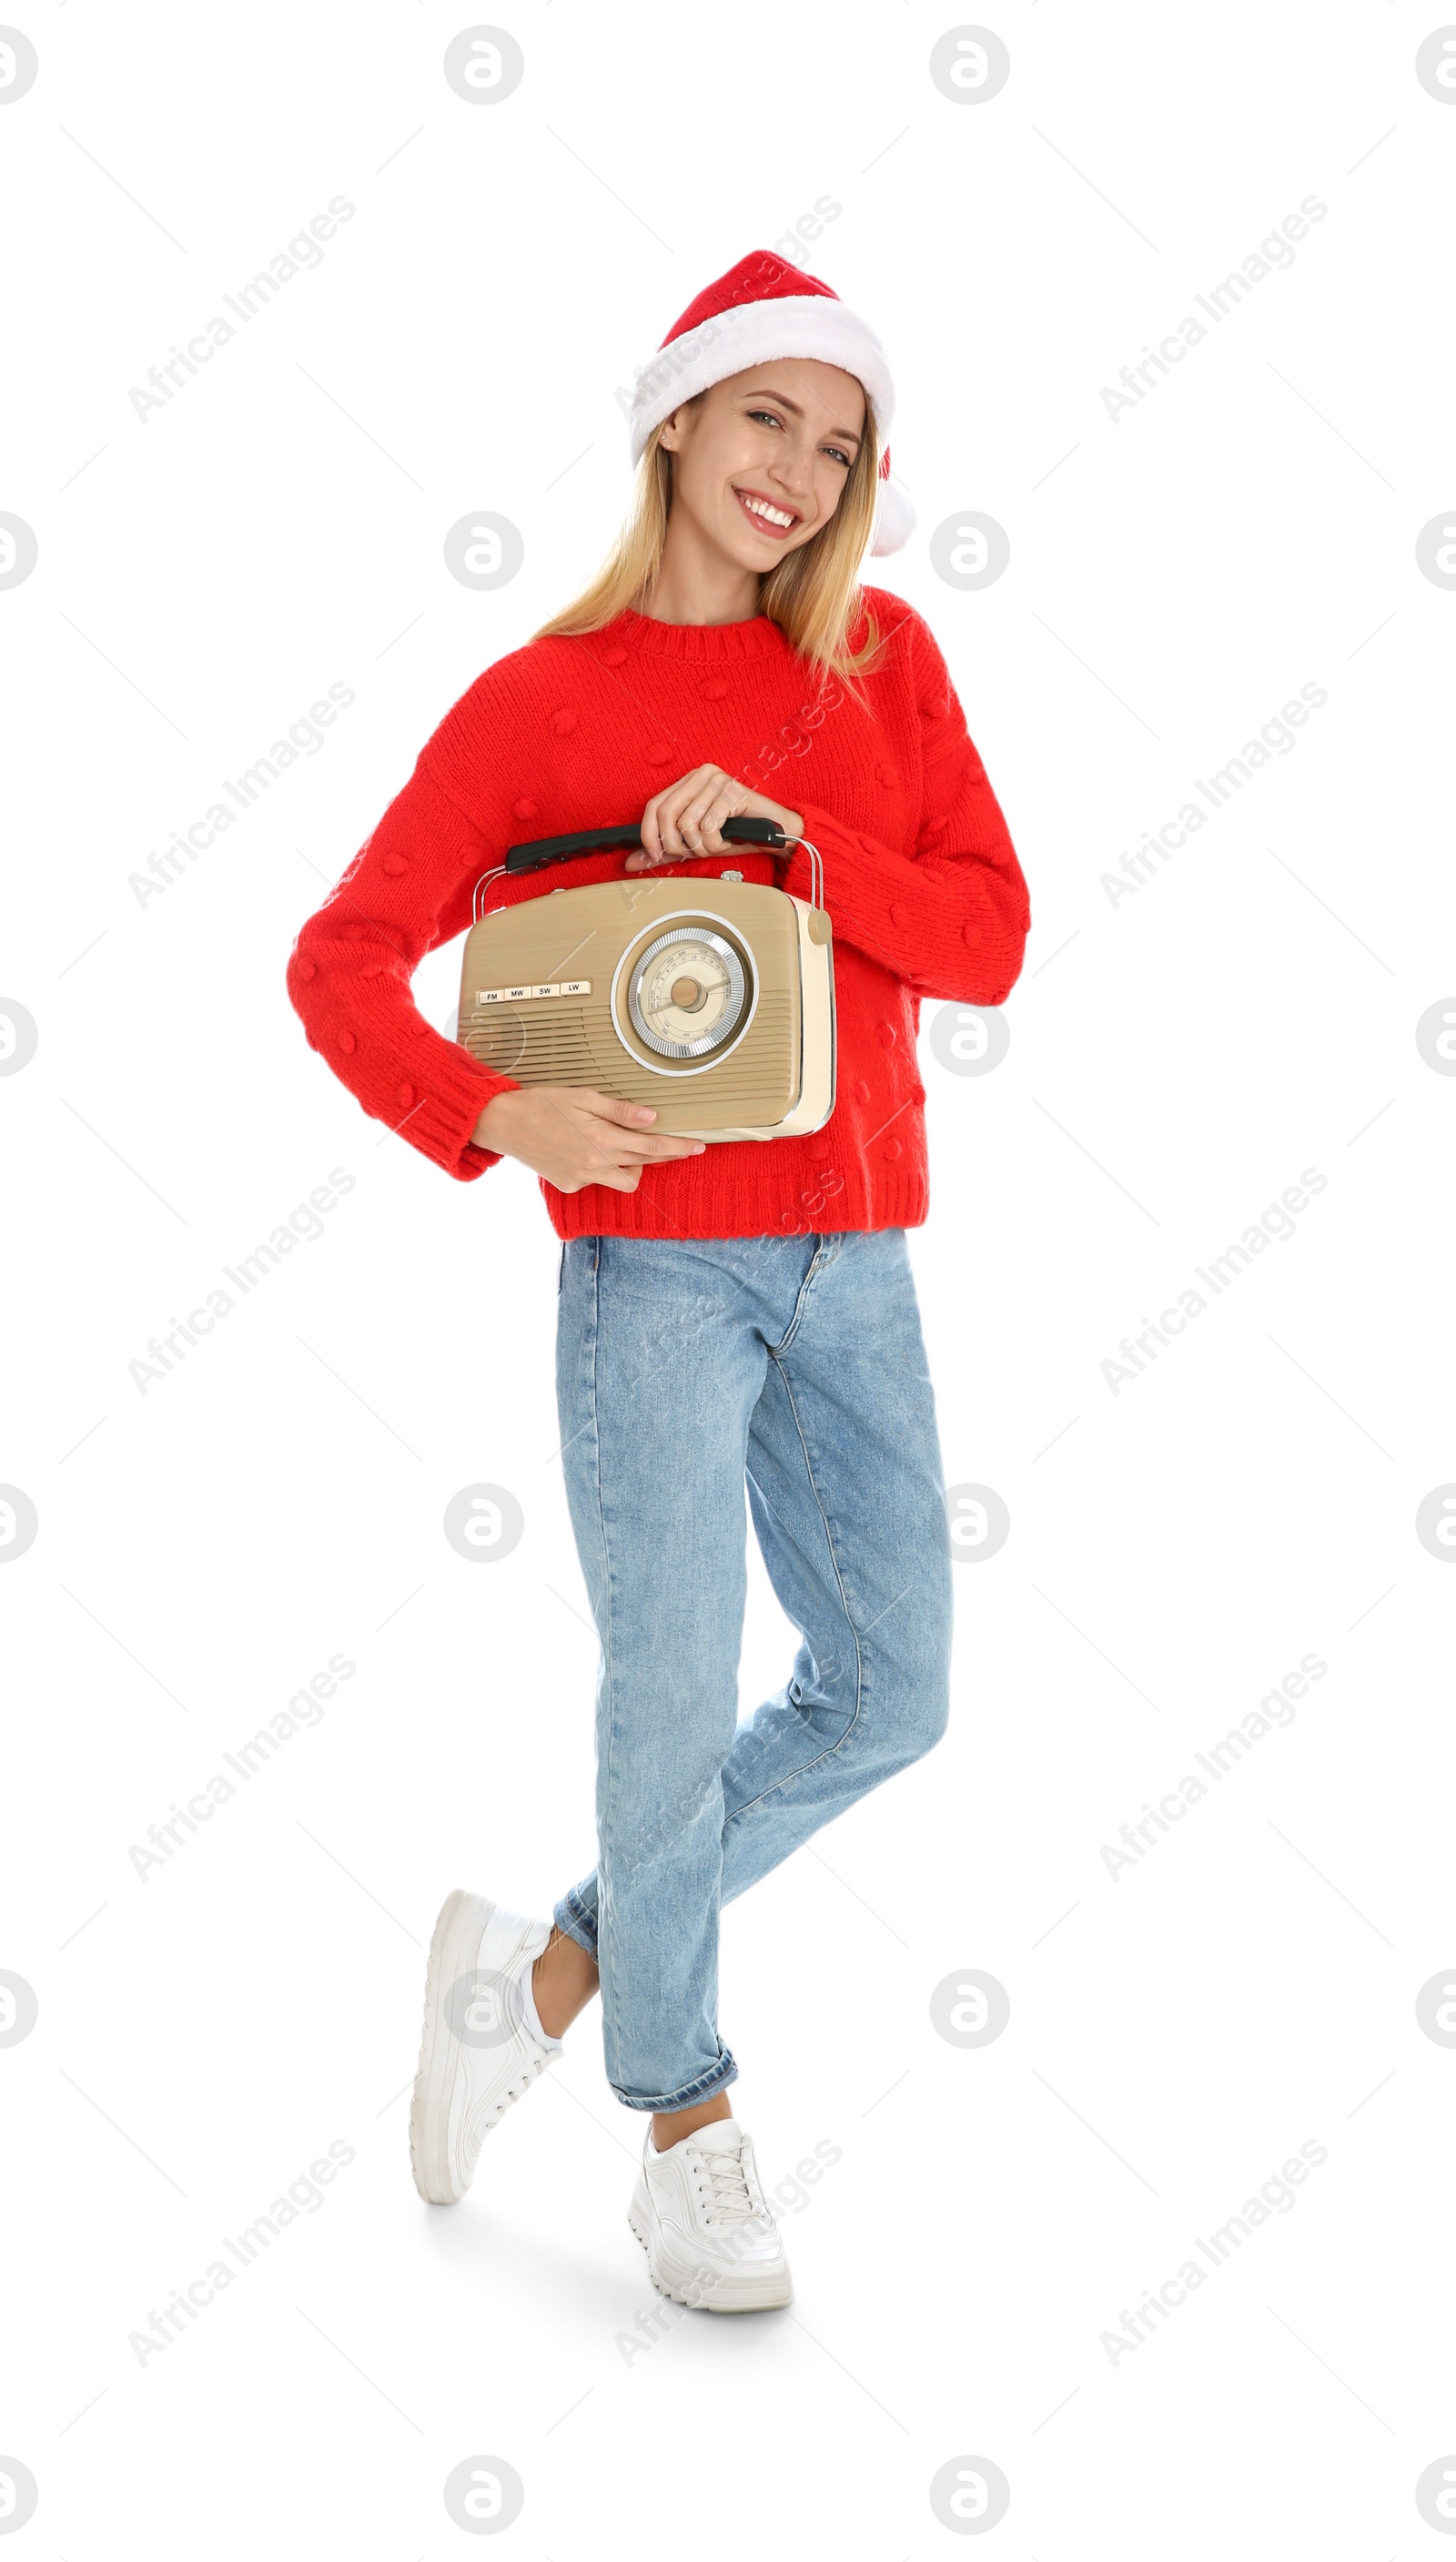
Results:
1176 1061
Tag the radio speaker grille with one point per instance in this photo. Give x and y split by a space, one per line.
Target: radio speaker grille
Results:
551 1044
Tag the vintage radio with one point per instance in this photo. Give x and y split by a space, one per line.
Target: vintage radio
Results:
706 996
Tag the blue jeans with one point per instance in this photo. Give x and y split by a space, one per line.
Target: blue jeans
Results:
682 1368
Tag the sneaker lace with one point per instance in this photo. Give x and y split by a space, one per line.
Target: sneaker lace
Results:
730 2200
476 2125
526 2076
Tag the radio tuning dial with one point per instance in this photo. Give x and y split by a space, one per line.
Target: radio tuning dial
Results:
687 993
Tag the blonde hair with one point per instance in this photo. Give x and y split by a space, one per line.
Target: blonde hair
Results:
813 596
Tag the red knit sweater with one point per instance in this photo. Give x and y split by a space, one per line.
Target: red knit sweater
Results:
921 882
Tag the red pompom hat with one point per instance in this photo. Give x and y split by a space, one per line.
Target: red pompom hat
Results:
764 307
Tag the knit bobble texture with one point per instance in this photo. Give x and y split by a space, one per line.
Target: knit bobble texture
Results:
576 732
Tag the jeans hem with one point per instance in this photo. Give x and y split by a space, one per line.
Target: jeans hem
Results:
716 2078
577 1924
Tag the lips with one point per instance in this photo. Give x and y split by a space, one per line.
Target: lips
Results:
761 525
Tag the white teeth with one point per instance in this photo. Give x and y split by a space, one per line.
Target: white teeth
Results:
761 507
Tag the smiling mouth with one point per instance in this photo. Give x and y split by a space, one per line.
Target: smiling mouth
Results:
764 516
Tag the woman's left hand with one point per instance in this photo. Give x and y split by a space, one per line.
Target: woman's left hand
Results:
685 820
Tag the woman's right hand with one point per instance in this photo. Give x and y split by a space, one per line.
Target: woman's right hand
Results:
574 1136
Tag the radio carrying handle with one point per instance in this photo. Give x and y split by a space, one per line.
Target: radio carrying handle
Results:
764 832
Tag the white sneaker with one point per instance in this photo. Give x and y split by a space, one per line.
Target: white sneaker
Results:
701 2217
478 2054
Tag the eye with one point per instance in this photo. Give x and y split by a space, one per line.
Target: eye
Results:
774 420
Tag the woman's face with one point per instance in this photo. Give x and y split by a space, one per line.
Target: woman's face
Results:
760 460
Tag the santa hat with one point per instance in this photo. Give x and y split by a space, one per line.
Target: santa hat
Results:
762 309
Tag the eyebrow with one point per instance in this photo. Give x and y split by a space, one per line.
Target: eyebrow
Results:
855 433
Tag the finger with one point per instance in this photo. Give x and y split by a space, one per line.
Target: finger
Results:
723 806
668 828
691 822
632 1138
692 798
701 793
615 1107
656 848
718 803
643 1148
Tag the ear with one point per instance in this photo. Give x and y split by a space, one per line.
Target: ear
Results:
680 418
675 425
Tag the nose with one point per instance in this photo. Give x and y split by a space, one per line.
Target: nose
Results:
794 469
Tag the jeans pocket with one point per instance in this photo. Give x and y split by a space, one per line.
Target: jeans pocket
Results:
561 1271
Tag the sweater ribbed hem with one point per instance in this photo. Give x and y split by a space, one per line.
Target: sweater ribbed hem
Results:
699 1206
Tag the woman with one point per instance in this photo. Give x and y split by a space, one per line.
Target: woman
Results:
740 1312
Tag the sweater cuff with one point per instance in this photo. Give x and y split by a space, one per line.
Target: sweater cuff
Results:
441 1123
